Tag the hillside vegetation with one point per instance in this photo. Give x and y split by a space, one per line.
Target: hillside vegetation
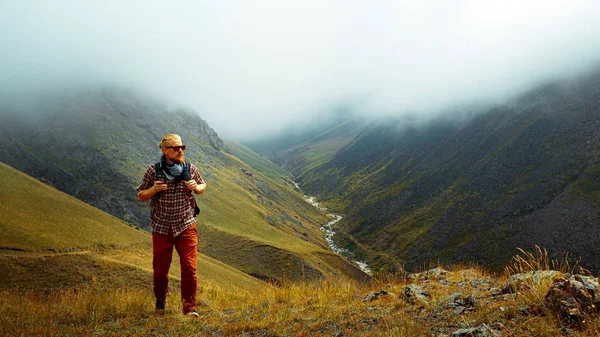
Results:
258 162
459 301
95 144
63 243
301 151
472 187
36 217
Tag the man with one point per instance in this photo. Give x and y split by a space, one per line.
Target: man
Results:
173 220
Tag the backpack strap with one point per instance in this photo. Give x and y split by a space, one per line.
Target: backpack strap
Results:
186 172
160 173
187 175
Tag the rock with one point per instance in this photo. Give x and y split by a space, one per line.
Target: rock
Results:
374 295
450 301
496 291
459 309
526 280
458 300
572 298
432 274
480 283
413 293
480 331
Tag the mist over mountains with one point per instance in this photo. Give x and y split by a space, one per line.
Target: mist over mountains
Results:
250 68
470 186
516 174
95 144
92 143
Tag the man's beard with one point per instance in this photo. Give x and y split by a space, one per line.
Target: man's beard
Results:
176 159
179 159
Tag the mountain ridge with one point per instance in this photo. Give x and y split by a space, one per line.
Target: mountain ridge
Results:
95 144
518 174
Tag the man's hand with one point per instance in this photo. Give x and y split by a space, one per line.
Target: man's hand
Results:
160 186
192 185
147 194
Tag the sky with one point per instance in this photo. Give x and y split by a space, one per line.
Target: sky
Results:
250 68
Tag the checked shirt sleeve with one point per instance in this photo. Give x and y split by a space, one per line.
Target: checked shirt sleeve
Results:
196 175
148 179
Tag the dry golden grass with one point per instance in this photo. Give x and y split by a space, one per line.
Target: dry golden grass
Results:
332 307
539 260
102 287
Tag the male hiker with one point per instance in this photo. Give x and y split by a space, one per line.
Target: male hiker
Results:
169 185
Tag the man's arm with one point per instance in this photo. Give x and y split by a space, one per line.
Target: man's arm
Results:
147 194
200 188
197 184
192 185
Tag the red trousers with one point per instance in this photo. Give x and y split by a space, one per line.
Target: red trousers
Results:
162 248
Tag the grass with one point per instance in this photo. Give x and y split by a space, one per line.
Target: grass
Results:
315 155
106 268
51 240
94 286
333 307
258 162
538 260
36 217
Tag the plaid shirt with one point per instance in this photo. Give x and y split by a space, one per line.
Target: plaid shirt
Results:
172 211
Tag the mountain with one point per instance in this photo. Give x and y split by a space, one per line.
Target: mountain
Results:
95 144
517 174
302 149
69 269
51 240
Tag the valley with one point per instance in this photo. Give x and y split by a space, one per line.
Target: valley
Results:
332 168
470 188
268 257
330 233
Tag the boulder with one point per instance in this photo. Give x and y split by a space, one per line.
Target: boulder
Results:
414 294
526 280
459 300
572 298
432 274
374 295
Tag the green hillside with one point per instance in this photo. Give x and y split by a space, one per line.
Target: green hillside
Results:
258 162
36 217
519 174
302 150
264 228
96 144
51 240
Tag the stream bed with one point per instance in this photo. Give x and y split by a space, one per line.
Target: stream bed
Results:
328 231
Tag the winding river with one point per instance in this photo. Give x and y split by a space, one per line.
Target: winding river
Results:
329 233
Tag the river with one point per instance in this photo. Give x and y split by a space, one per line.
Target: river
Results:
329 233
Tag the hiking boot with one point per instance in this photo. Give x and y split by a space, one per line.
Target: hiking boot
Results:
161 303
192 313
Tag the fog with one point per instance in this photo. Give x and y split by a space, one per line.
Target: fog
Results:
252 67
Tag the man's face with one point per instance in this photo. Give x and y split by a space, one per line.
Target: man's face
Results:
173 152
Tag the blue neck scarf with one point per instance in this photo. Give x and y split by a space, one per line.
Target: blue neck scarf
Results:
172 171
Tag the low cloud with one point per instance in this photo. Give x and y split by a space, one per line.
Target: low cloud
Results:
253 67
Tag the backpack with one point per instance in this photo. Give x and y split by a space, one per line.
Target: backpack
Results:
160 174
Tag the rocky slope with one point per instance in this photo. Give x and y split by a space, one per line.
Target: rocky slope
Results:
519 174
94 144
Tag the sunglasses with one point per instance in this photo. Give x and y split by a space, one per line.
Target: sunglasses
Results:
176 148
